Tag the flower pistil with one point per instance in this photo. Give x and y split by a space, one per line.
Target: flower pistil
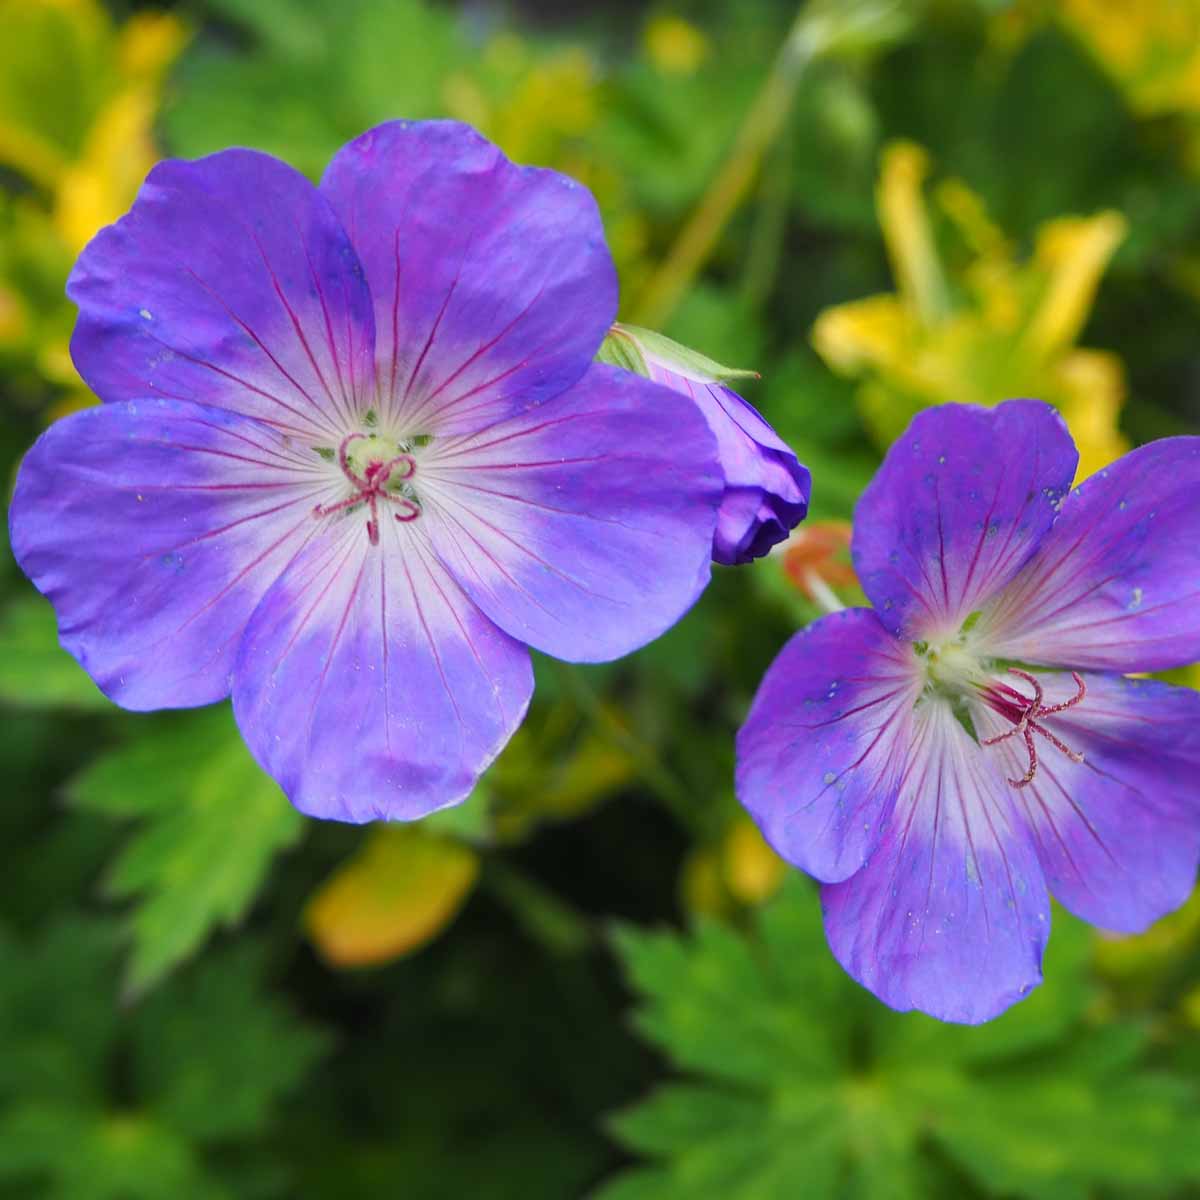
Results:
372 471
1024 712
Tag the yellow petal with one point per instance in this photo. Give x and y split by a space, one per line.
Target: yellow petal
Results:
119 153
1092 384
907 232
863 334
149 43
1073 252
1150 47
397 893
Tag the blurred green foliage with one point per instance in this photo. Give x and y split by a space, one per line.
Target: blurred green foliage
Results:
203 994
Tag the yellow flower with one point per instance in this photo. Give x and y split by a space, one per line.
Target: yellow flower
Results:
401 889
1151 48
544 106
86 147
673 45
995 328
738 871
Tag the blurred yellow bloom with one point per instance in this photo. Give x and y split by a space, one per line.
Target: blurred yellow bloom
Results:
13 321
673 45
528 104
739 870
994 328
543 108
397 893
101 185
1151 48
78 100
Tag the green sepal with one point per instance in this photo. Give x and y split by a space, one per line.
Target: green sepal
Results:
620 350
633 348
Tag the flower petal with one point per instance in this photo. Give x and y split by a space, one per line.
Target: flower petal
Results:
961 501
1116 584
950 915
493 284
1118 835
766 487
154 528
582 528
821 753
369 685
230 282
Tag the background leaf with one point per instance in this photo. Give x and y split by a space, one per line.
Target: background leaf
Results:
209 824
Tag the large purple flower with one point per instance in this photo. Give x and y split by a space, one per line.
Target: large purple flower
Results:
943 761
356 458
767 488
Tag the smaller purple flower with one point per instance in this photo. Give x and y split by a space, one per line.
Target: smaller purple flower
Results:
945 760
767 488
355 458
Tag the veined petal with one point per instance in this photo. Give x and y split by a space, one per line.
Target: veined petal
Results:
493 285
950 915
1118 835
231 283
766 487
370 686
961 502
1116 584
154 528
821 753
583 528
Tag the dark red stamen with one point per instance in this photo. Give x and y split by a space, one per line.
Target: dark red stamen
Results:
371 487
1024 713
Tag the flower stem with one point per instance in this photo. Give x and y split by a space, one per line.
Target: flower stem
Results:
668 789
762 124
822 593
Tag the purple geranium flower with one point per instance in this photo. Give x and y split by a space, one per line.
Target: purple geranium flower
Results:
356 458
944 760
767 488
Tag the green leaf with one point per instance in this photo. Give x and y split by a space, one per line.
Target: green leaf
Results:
210 823
87 1155
145 1103
35 671
803 1084
319 76
55 1024
214 1052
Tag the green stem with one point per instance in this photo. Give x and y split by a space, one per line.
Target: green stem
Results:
545 916
765 254
759 129
674 796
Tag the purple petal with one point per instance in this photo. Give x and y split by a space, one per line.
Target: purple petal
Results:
493 285
582 528
1116 584
950 915
1118 835
960 503
820 755
154 528
766 486
369 685
230 282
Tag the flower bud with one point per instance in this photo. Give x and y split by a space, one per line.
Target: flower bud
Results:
766 486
